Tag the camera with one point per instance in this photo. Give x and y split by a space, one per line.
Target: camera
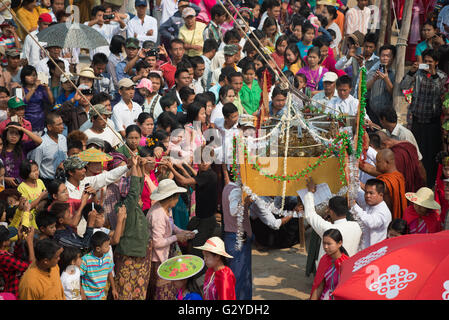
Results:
108 16
382 68
153 52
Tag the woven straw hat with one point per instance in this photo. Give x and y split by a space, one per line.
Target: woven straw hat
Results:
165 189
215 245
424 197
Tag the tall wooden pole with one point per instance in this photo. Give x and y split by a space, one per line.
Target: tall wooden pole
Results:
384 13
401 49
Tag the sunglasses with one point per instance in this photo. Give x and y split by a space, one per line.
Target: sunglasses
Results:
87 91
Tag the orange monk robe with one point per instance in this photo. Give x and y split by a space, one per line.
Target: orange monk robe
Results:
395 184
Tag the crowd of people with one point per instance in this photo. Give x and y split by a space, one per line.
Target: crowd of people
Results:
108 169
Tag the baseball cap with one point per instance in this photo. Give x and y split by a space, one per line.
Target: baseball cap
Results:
13 52
95 141
73 163
138 3
187 12
101 109
330 77
15 102
230 49
125 83
45 17
145 83
132 43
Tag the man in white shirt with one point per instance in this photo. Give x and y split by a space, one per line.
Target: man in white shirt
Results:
329 92
345 103
389 121
55 53
338 212
106 27
142 26
99 128
31 51
273 11
376 216
227 127
126 111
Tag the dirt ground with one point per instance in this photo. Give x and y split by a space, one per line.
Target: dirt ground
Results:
279 274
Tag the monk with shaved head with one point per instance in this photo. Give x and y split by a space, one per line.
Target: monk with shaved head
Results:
406 161
394 182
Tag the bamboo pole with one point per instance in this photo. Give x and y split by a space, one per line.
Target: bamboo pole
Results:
401 49
385 12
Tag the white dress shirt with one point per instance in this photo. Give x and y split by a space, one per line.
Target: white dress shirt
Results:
31 50
258 209
349 106
375 220
42 66
123 116
370 159
403 134
217 113
107 30
321 98
350 230
169 8
225 154
135 26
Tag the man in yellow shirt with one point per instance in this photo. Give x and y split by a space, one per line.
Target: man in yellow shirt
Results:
192 33
42 280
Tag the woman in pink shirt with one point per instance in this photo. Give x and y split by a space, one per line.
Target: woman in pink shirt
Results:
163 235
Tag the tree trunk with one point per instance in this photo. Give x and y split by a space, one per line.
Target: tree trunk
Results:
384 13
401 49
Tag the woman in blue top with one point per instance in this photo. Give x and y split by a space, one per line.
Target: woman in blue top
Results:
431 39
308 34
38 97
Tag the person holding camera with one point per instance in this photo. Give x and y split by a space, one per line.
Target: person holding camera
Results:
108 25
380 82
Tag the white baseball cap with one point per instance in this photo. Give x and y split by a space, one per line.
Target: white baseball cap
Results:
330 76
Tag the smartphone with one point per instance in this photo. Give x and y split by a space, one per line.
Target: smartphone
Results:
15 119
359 51
42 77
19 93
382 68
423 66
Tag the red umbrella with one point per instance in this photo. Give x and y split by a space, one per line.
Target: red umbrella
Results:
410 267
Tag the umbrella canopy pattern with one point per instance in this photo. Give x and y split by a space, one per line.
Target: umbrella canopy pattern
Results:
76 36
410 267
180 267
94 155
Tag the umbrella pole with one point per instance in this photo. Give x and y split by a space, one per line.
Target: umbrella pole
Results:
64 73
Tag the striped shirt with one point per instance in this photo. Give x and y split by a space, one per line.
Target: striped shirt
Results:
94 274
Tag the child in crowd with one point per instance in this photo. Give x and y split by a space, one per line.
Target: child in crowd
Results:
65 234
96 269
397 227
308 34
219 282
46 223
32 188
69 266
168 103
313 71
293 61
250 92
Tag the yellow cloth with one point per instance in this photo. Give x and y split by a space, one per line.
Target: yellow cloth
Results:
193 37
294 68
42 10
29 20
31 193
238 103
28 219
40 285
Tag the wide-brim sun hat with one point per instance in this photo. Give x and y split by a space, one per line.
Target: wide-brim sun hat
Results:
215 245
180 267
424 197
165 189
88 73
